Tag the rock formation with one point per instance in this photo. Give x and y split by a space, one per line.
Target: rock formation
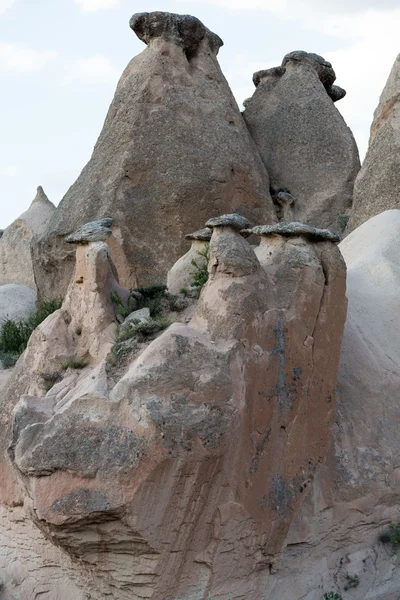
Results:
222 443
181 273
306 146
173 151
16 302
377 186
15 243
185 476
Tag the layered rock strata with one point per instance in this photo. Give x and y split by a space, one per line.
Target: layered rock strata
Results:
377 187
306 146
185 477
16 266
173 151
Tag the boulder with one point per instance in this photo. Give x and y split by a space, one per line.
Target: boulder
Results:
377 186
15 244
17 302
174 150
307 148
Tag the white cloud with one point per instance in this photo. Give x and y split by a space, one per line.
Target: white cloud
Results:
93 69
88 6
16 57
298 8
8 171
5 5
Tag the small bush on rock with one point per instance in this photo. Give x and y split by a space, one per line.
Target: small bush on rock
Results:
75 363
200 274
142 330
391 535
332 596
123 309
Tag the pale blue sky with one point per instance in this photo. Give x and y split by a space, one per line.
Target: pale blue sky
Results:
60 61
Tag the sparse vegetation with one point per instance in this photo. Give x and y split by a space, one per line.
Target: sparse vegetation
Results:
152 298
341 222
15 334
391 535
75 363
142 330
8 359
123 309
184 291
332 596
353 581
200 274
50 378
78 331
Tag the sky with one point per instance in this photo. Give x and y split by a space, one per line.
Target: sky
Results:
60 61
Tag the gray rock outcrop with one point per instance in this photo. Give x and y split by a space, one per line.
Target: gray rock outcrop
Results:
377 186
16 302
306 146
174 151
15 244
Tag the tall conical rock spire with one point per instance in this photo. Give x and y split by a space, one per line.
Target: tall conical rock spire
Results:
377 186
173 150
15 244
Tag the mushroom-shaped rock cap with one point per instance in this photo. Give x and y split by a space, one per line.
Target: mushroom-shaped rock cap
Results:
95 231
234 220
184 30
323 68
296 229
203 235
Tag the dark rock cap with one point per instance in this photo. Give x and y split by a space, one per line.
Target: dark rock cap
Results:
95 231
234 220
203 235
184 30
296 229
324 69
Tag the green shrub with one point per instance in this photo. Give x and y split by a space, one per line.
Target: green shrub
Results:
152 298
123 309
332 596
200 275
152 291
75 363
8 360
142 330
391 535
15 334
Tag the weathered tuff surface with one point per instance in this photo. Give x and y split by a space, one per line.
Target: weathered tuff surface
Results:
182 273
15 244
185 478
303 140
173 151
377 186
16 302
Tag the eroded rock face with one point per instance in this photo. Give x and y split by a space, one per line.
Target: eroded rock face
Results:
17 302
16 265
377 186
187 475
173 151
306 146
